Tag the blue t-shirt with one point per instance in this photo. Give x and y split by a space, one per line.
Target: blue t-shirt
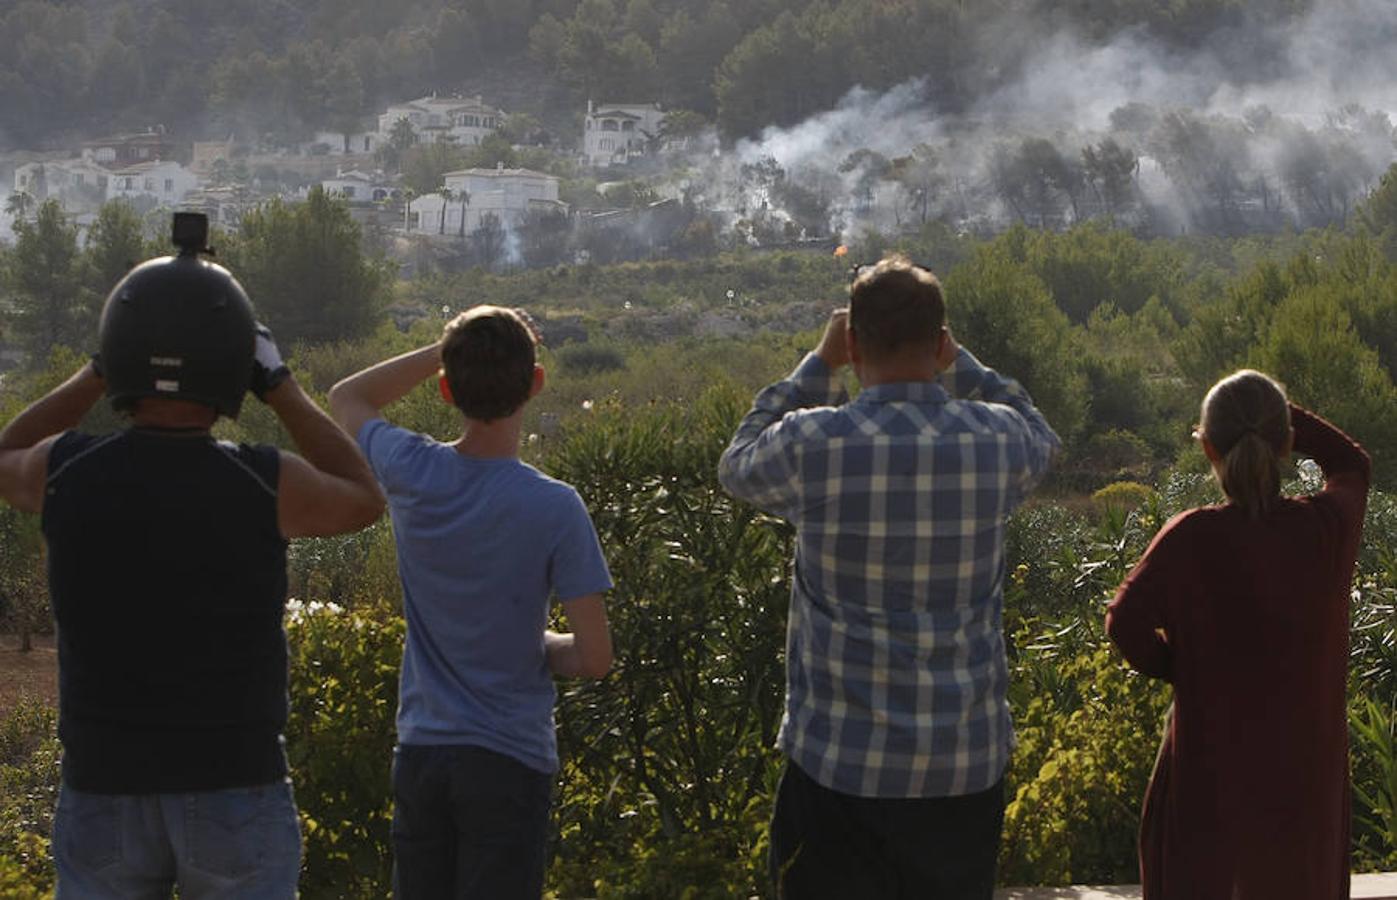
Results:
483 547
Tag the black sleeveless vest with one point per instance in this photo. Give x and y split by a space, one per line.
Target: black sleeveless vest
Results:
167 576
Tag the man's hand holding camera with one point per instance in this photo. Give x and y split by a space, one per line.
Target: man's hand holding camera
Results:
268 369
834 345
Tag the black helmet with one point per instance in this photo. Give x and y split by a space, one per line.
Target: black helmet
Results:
178 327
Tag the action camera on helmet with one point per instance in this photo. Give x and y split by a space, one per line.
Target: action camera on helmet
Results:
179 327
190 232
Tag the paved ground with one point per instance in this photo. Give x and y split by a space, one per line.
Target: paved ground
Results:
32 674
1365 887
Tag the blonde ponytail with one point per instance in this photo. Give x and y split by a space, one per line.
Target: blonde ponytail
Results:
1251 475
1247 420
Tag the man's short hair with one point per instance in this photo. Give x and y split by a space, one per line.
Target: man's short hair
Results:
895 305
487 355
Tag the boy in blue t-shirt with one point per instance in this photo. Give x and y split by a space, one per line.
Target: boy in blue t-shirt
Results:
484 542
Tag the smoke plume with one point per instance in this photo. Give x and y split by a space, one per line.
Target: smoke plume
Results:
1257 127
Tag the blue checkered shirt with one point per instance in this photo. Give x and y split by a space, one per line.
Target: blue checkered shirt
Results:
895 667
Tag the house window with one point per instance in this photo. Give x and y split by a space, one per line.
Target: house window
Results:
589 124
169 185
102 182
628 126
349 191
609 125
366 143
129 184
78 178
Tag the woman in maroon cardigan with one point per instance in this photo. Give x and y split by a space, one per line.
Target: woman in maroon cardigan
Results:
1243 608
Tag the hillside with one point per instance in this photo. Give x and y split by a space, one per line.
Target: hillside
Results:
202 68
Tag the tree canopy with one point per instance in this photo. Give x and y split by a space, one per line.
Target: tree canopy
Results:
291 68
304 266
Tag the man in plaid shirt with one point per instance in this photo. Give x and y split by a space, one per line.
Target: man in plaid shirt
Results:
896 728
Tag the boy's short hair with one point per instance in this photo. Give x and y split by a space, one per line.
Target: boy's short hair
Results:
488 357
894 305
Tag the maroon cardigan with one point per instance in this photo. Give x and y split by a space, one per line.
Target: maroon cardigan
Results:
1249 621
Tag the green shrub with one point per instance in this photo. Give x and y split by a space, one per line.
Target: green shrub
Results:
589 359
339 739
1079 773
29 754
17 883
1374 743
1122 495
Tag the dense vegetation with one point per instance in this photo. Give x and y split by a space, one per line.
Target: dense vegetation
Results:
668 767
289 68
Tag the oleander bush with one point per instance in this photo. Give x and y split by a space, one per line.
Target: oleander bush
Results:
669 764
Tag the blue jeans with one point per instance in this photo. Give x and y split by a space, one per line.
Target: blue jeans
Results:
468 823
235 843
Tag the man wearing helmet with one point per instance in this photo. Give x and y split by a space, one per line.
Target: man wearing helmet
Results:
167 575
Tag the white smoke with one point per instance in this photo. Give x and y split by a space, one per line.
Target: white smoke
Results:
1265 94
7 234
888 123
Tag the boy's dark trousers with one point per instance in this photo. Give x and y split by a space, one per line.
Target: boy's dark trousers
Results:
825 844
467 822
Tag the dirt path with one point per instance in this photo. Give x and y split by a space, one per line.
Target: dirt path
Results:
33 674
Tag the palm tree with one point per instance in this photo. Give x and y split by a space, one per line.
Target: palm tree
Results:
465 197
446 196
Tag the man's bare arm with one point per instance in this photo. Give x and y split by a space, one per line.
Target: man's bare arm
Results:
585 651
26 440
361 396
329 491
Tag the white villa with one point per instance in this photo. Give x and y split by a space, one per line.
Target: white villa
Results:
80 185
360 187
458 120
468 195
103 172
614 133
167 182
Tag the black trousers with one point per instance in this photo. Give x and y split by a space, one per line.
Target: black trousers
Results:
825 844
467 822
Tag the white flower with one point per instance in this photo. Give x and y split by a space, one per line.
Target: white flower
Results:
587 405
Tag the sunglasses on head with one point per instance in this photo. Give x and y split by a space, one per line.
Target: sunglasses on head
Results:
861 268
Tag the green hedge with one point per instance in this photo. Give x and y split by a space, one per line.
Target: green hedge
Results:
668 767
